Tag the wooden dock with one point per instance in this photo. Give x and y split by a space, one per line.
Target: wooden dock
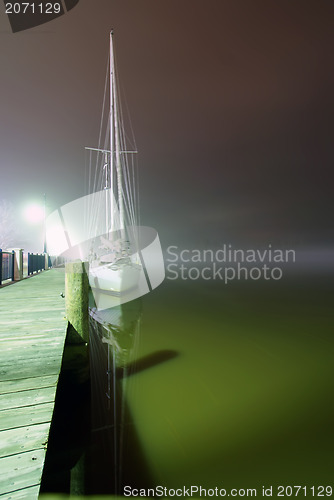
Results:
32 336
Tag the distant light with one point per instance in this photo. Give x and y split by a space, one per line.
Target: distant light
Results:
34 214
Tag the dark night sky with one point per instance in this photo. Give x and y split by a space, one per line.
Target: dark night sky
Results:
231 104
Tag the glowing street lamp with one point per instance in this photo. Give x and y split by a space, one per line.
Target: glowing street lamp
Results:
34 214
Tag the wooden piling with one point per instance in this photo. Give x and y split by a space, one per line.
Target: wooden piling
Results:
76 300
76 356
18 264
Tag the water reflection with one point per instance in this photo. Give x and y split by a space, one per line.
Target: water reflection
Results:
114 338
117 458
94 446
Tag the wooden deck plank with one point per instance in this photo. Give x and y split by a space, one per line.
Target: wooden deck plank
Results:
21 359
28 322
27 383
32 337
25 416
26 351
23 494
26 398
24 340
20 471
41 367
27 327
14 441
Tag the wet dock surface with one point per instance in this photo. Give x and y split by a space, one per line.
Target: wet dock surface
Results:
32 336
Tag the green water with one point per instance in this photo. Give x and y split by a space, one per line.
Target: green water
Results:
248 399
221 386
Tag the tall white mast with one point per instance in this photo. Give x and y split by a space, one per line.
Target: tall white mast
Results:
110 198
111 76
114 130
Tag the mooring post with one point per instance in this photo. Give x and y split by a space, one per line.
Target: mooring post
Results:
18 263
0 266
76 297
46 261
76 360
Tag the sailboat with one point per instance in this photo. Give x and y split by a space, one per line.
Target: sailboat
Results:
102 228
117 268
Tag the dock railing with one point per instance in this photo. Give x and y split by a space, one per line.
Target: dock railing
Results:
16 265
7 260
36 263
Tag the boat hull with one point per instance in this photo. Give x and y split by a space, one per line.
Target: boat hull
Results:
115 281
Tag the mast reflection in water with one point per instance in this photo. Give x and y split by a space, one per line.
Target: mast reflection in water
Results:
115 450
